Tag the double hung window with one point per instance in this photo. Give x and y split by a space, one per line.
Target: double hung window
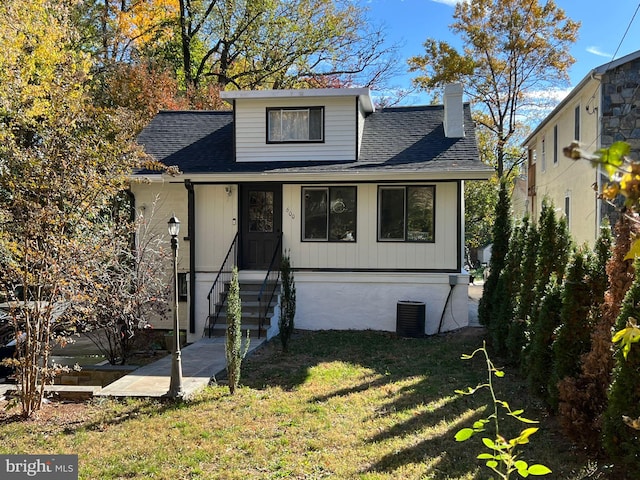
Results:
406 213
295 125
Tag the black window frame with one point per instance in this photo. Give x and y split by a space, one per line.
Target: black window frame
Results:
405 214
182 286
555 144
353 238
576 126
282 109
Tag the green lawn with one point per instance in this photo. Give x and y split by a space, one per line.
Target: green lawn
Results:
340 405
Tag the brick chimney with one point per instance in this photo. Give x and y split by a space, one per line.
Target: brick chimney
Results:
453 114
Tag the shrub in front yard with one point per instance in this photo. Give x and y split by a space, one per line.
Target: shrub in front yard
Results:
287 302
233 347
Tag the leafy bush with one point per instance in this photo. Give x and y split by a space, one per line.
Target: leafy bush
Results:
287 302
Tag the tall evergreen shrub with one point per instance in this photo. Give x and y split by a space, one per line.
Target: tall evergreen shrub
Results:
501 233
539 359
574 333
233 345
525 299
553 251
622 442
508 288
583 399
287 302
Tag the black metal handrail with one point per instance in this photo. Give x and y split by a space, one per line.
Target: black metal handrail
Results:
218 292
271 280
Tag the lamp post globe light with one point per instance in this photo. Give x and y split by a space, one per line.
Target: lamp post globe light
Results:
175 387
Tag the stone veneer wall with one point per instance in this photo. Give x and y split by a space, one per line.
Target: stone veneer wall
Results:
621 106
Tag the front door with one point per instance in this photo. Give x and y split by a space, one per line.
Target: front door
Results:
261 223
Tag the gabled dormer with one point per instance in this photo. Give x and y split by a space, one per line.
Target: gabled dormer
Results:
299 125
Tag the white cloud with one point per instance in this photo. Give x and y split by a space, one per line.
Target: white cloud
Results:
598 52
451 3
553 95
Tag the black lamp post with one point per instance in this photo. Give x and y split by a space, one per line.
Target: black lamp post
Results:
175 388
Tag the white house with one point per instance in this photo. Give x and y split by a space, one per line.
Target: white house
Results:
367 203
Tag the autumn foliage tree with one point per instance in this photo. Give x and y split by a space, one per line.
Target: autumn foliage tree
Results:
62 161
510 50
208 45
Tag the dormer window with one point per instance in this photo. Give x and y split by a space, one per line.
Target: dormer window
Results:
304 124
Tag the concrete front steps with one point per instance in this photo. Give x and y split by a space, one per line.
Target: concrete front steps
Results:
250 306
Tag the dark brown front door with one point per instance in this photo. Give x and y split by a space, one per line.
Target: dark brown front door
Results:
261 221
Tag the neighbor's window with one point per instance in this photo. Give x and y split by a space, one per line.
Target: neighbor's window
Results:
182 287
555 144
295 124
406 213
329 214
576 120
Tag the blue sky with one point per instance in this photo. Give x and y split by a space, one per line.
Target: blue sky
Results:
411 22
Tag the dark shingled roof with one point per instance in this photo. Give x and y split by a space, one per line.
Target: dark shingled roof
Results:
395 139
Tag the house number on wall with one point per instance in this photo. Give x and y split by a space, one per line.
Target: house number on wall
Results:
291 214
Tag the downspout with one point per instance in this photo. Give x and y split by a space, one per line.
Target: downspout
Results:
191 237
596 110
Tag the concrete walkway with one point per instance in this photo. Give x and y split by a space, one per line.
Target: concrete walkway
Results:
201 361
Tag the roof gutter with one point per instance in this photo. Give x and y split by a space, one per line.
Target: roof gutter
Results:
332 176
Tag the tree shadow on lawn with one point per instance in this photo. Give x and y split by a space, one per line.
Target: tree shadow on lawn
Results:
415 381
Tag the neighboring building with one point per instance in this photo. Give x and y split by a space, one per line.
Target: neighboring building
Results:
519 197
368 204
601 109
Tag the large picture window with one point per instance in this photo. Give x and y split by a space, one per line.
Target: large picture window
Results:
329 214
406 214
295 124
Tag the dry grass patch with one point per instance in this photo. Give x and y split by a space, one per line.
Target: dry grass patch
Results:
339 405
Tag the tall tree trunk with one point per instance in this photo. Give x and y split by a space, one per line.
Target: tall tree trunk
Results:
185 37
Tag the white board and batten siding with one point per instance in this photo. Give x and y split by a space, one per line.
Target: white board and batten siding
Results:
339 131
381 276
367 252
157 203
217 221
